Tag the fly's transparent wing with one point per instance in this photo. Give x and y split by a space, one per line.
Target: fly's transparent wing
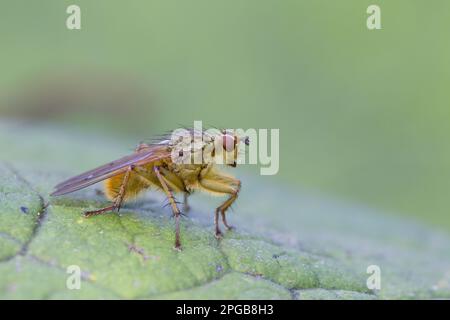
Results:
147 155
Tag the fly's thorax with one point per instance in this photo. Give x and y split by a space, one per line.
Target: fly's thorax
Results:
189 173
197 150
207 147
177 168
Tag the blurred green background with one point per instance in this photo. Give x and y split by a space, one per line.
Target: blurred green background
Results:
363 115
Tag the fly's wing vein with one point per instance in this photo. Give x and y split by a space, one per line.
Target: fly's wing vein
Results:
111 169
83 184
112 166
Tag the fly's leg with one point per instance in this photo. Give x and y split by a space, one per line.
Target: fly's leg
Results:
117 201
164 178
186 206
221 184
227 204
88 214
175 209
217 233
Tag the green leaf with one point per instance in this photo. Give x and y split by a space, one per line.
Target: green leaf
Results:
289 244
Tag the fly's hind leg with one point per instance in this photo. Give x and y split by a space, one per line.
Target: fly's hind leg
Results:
221 184
117 201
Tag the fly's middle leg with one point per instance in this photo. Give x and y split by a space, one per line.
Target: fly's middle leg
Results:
186 207
164 183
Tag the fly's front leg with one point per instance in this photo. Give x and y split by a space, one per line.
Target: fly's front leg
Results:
227 204
117 201
173 203
222 184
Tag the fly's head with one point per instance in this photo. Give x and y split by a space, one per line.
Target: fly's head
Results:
230 142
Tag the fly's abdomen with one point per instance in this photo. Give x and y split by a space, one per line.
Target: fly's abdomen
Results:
133 188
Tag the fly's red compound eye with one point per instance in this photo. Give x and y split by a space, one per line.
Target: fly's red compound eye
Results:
228 142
